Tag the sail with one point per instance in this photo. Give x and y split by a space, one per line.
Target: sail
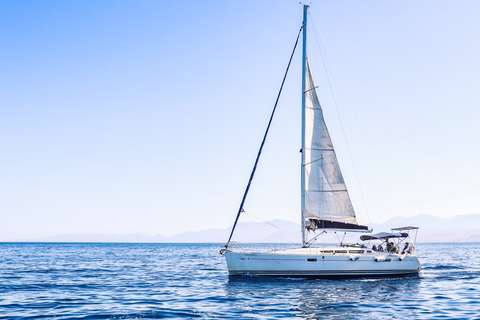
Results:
327 203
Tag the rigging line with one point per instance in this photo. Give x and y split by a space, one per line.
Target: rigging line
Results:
306 164
372 155
255 219
311 241
337 237
310 90
324 57
355 144
253 216
264 138
368 181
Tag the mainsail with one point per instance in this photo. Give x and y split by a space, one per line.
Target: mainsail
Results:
327 203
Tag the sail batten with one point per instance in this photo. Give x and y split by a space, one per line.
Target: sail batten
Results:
328 190
327 202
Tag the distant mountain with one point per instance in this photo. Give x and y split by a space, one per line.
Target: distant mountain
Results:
276 231
462 228
96 237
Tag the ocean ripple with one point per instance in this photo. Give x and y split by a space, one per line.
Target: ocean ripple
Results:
157 281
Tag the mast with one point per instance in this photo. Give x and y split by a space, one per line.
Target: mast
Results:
304 67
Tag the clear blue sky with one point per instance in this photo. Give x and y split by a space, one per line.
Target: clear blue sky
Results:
146 116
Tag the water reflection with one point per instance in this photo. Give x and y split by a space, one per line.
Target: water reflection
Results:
329 299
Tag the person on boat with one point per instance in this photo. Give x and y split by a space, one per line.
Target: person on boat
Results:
406 249
391 247
374 248
380 248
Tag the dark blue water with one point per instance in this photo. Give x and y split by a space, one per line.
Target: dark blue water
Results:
155 281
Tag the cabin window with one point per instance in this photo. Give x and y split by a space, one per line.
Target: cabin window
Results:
355 251
312 260
340 251
327 251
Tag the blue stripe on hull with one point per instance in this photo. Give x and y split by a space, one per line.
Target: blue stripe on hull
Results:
324 273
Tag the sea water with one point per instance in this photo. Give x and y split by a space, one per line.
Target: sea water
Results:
156 281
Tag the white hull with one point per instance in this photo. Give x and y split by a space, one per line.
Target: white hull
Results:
319 262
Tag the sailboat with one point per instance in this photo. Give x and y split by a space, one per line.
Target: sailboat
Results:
325 207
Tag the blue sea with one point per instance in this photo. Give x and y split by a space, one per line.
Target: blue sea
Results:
157 281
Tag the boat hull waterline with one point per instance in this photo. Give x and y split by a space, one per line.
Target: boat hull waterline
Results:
285 263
